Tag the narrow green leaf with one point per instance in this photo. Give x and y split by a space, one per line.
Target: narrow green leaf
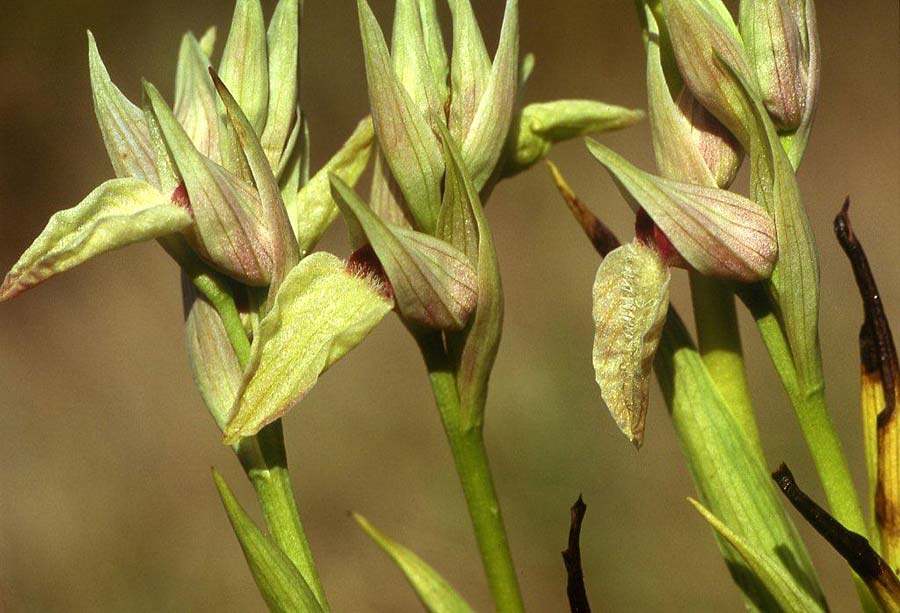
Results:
470 69
486 137
718 232
730 476
281 585
121 123
408 144
283 48
542 125
631 297
463 224
116 214
245 66
433 283
315 209
230 224
436 594
321 312
285 254
784 588
195 98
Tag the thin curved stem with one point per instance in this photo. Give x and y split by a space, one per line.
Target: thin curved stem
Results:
472 466
263 456
719 343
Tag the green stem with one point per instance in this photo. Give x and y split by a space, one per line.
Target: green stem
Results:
263 456
471 461
719 343
818 429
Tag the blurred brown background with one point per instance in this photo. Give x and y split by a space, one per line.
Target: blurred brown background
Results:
106 500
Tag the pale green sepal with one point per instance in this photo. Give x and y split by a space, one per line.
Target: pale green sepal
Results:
470 69
315 208
731 477
294 162
230 228
116 214
783 587
385 198
408 144
411 64
283 44
214 364
719 233
677 156
434 45
436 595
433 283
464 225
701 32
771 35
631 297
795 143
285 254
281 585
485 140
321 312
166 169
121 123
245 67
208 41
195 98
542 125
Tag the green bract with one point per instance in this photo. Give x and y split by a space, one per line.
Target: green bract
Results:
436 594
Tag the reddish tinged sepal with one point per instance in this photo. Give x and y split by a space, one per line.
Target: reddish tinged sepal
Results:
364 262
649 233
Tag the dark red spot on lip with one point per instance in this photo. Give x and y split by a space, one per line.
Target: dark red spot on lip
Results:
364 262
181 198
649 233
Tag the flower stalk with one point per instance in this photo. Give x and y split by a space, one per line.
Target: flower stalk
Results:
467 446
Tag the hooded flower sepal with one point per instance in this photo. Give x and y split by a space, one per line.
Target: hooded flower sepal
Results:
781 38
240 228
690 144
434 283
703 34
719 233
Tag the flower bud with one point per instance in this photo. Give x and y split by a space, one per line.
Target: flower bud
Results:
713 62
771 30
717 146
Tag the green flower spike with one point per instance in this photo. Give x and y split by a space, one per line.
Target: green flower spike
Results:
413 91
